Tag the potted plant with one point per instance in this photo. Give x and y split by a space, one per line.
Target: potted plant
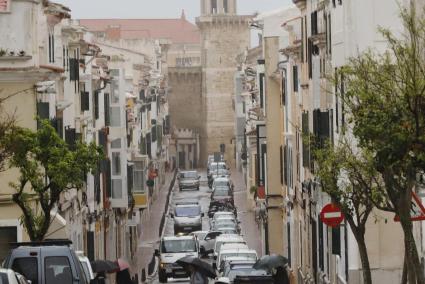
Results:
2 52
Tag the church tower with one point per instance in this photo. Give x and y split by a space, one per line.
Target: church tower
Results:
224 36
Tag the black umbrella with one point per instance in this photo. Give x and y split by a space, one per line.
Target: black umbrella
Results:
268 262
203 267
104 266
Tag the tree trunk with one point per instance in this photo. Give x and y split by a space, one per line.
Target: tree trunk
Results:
367 275
414 267
415 272
359 232
404 275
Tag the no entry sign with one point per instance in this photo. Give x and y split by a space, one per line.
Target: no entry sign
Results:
331 215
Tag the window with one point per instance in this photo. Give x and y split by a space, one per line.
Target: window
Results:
28 267
116 163
306 142
106 109
51 46
96 105
138 177
115 117
116 144
57 270
116 188
262 87
214 6
114 91
314 29
225 6
295 77
85 101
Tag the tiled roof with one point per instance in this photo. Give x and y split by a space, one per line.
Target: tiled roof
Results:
176 30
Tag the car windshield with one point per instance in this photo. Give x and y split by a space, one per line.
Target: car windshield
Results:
175 246
188 211
219 166
248 255
221 183
245 272
221 192
188 175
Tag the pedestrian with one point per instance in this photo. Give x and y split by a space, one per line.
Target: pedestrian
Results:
123 277
196 277
280 276
101 278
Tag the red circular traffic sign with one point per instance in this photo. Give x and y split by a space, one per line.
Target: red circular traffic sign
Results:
331 215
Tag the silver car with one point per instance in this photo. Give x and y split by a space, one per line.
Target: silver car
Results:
189 180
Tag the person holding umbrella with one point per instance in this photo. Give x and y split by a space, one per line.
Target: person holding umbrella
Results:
199 270
196 277
276 264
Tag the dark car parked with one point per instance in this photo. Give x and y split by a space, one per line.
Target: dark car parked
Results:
47 263
222 194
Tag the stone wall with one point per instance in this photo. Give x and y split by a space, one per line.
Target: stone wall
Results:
223 39
185 100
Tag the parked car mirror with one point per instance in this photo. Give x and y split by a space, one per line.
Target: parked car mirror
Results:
156 252
202 250
199 177
202 214
171 215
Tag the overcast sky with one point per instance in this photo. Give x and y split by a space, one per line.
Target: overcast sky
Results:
156 8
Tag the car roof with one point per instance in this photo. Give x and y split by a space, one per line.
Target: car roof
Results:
233 245
231 237
187 202
223 213
222 178
241 250
177 238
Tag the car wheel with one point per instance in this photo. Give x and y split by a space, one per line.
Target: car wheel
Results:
162 275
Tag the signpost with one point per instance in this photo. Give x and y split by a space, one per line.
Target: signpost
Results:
331 215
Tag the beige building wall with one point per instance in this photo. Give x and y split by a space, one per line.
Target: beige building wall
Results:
274 191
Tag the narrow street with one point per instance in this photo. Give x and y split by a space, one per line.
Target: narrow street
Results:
248 226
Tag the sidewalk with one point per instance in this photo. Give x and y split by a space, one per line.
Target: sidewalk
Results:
148 239
246 215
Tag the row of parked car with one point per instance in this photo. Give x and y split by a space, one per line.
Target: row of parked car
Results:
222 244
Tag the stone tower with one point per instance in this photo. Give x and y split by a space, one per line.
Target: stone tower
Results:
224 35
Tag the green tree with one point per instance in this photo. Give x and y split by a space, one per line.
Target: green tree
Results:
48 167
352 182
386 104
7 123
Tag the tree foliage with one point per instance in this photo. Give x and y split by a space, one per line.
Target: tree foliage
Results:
386 103
7 123
48 167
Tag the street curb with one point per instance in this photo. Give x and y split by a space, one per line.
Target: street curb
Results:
162 223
